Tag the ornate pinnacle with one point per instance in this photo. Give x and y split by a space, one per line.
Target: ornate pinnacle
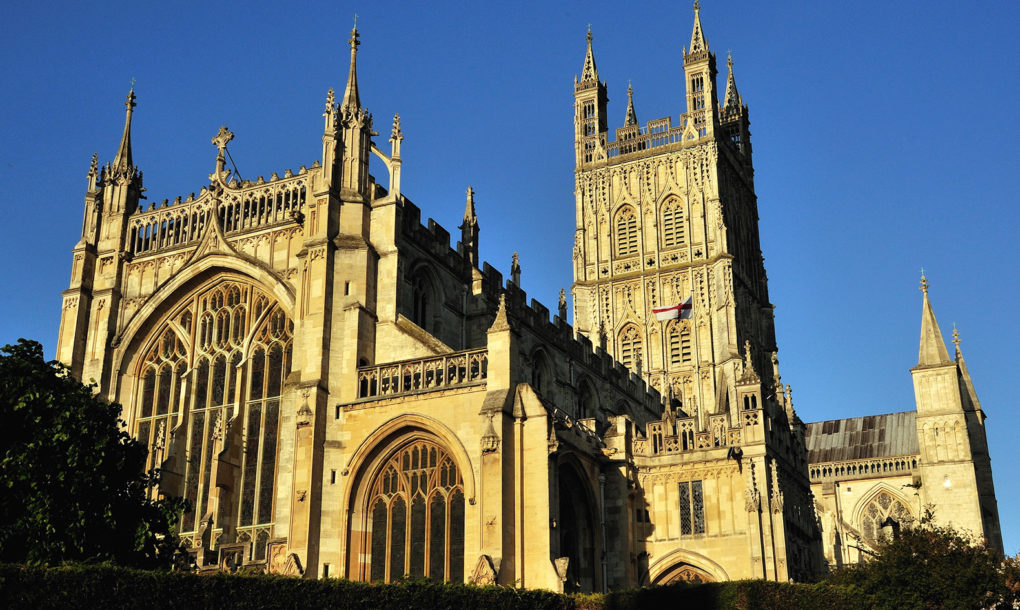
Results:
500 323
94 166
396 134
956 337
330 103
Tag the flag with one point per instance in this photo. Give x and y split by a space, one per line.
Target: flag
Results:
672 312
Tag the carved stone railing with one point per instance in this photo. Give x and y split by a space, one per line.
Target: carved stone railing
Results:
658 133
457 369
665 437
852 469
252 206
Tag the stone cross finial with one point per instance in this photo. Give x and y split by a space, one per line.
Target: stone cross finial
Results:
956 336
924 283
222 138
697 5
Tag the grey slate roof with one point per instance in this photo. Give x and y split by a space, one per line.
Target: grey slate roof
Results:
856 438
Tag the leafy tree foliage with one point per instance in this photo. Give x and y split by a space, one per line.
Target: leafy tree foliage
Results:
934 566
72 481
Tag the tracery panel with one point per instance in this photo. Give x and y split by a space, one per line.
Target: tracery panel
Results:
219 361
416 507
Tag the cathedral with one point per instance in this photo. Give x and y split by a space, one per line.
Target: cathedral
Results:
338 391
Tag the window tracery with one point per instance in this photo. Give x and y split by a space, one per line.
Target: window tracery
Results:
219 361
679 338
416 508
883 515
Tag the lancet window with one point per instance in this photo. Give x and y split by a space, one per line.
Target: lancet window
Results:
626 232
692 508
416 508
213 376
673 228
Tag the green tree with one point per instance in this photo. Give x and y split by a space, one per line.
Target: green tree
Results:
933 566
73 485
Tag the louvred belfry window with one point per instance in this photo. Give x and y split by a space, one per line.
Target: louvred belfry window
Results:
218 362
416 508
626 232
630 346
673 229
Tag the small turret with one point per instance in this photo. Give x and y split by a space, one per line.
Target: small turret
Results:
699 68
590 100
356 129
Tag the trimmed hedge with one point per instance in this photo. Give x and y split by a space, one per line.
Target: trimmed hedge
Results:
105 586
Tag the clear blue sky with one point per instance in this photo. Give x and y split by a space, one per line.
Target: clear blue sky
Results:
884 134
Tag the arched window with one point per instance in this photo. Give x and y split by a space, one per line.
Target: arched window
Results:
626 232
587 401
541 374
416 509
674 231
218 364
679 338
630 346
882 517
423 301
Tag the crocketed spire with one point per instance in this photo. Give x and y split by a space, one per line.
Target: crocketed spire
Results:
732 96
698 41
589 72
631 119
123 159
352 100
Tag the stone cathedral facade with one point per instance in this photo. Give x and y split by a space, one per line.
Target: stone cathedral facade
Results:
339 392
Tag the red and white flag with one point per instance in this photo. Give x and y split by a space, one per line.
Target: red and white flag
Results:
673 312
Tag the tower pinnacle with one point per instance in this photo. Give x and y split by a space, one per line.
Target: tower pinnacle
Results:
631 119
698 41
732 98
351 98
589 72
123 159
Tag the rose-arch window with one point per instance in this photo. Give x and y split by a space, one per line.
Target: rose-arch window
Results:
416 508
219 361
626 232
883 515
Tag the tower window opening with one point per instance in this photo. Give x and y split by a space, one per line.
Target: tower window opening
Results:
630 346
626 232
673 229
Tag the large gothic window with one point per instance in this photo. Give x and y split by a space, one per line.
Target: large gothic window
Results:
883 516
630 347
416 508
673 228
217 365
626 232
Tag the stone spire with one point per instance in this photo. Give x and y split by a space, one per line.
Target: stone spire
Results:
968 393
631 119
589 72
351 98
123 159
933 348
732 99
470 218
698 41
